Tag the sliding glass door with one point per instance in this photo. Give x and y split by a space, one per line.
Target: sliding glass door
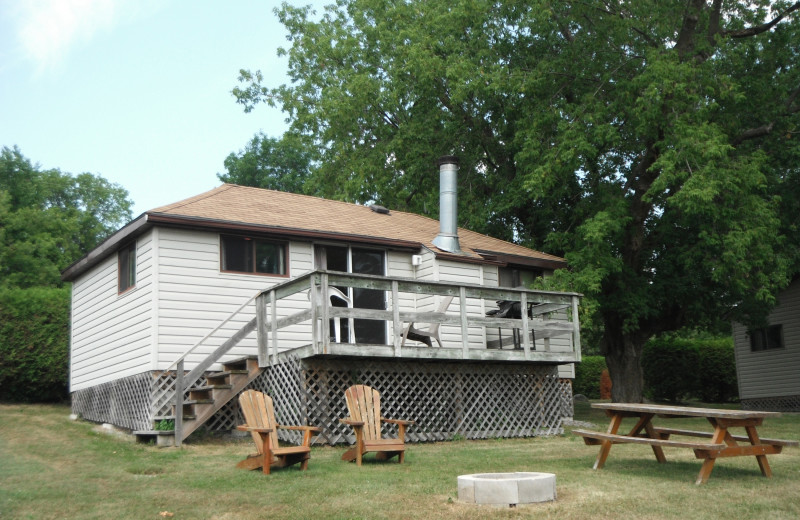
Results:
362 261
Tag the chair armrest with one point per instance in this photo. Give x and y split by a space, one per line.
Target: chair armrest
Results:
397 421
351 422
246 428
302 428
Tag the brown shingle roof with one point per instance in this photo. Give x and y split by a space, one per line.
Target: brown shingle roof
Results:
231 206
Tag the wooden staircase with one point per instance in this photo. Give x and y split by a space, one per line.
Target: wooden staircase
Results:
204 401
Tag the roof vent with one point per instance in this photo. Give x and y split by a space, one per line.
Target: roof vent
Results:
379 209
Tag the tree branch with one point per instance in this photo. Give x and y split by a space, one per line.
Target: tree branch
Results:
752 31
685 43
753 133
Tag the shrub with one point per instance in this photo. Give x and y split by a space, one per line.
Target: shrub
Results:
587 376
716 381
34 344
669 365
676 368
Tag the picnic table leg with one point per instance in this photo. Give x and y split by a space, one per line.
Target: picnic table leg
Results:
657 450
605 447
762 459
720 433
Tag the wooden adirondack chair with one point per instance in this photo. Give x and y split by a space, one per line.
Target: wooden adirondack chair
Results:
259 416
364 405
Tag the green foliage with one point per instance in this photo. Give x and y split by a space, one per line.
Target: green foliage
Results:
278 164
677 368
717 381
652 143
587 376
166 425
34 344
49 219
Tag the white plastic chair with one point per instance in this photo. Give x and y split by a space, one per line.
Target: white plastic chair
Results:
333 292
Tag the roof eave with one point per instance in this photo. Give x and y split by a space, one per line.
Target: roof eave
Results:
106 247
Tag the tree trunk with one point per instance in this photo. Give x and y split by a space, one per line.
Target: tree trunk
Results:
623 358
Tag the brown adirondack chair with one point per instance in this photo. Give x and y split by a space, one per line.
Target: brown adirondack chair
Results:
364 405
259 416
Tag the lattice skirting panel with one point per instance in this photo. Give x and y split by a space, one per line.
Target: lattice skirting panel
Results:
124 402
446 400
787 403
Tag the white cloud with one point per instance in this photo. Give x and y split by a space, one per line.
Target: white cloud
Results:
49 29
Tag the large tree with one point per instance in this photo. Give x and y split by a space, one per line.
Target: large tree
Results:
282 164
654 143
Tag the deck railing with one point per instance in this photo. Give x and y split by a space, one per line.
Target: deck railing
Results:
470 314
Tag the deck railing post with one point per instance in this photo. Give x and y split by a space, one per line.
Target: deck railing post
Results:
462 298
273 297
576 331
261 327
312 297
396 326
324 304
178 414
526 332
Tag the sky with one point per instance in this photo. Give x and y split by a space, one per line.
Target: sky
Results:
136 91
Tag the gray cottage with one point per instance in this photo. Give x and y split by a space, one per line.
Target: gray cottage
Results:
239 287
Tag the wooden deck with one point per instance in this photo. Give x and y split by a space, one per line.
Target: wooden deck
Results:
551 315
301 308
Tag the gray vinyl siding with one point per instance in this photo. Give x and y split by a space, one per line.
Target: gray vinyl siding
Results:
399 264
772 373
110 337
459 272
195 297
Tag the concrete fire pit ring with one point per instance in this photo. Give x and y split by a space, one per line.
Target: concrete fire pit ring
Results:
507 489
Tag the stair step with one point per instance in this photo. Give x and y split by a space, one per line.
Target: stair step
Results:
198 401
186 417
239 363
162 437
211 387
229 372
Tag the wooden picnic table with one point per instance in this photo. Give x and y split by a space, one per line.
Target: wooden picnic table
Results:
717 444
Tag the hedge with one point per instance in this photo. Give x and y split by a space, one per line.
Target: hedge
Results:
675 369
587 376
680 368
34 344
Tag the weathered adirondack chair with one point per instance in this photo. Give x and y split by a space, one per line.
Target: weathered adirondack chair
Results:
364 405
424 336
259 416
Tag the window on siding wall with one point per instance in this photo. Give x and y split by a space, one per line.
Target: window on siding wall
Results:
126 268
766 338
517 276
256 256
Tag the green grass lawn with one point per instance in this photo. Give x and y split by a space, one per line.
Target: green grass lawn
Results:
52 467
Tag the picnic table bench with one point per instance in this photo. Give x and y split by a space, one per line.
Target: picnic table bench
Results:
717 444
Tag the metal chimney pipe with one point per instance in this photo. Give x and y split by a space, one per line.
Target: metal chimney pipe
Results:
447 239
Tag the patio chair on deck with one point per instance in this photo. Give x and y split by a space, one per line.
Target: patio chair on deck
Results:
424 336
335 294
364 406
259 416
